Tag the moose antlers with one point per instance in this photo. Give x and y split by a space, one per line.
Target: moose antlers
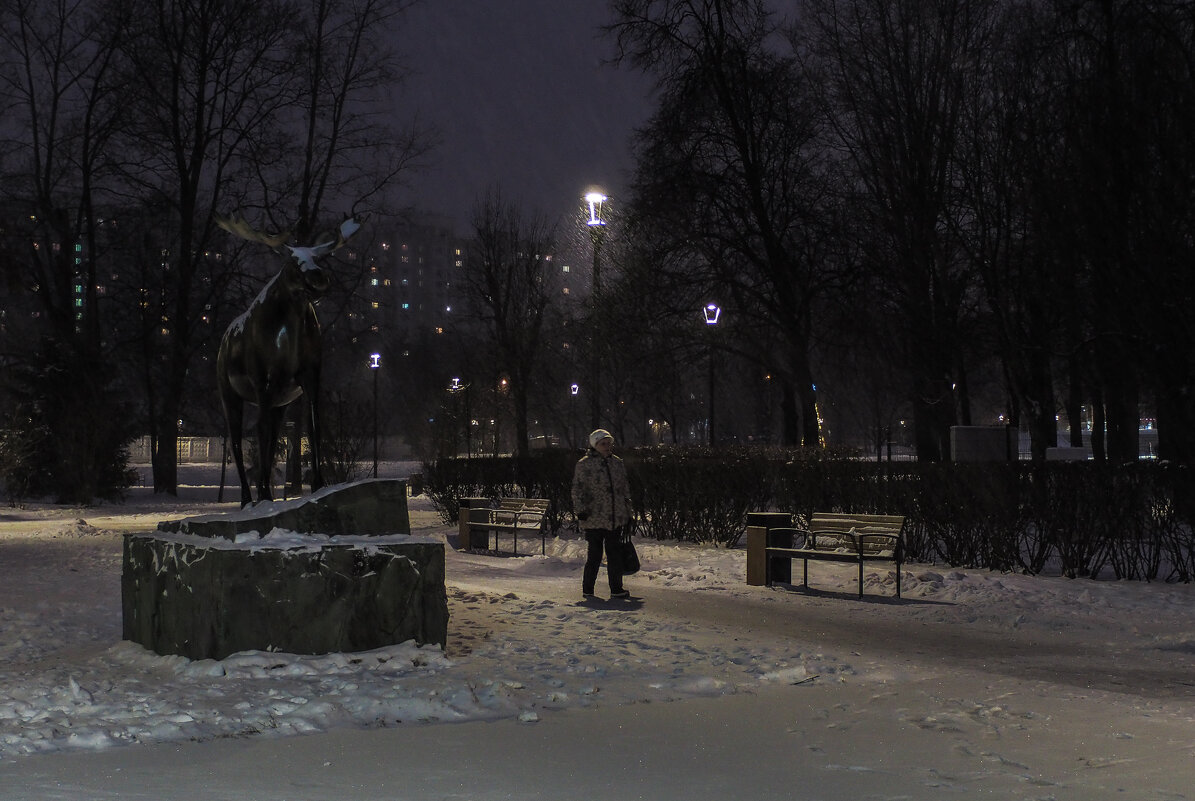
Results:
240 227
306 256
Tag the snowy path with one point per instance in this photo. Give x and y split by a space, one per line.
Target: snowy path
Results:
975 684
931 738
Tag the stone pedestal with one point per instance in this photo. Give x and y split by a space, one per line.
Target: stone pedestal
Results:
205 596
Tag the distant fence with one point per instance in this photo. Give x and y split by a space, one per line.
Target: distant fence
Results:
208 449
190 449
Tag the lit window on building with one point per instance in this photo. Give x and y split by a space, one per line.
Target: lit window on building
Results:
373 305
373 282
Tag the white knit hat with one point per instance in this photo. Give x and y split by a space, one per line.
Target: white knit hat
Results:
599 435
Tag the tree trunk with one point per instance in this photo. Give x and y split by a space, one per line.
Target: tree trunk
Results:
789 417
933 415
522 434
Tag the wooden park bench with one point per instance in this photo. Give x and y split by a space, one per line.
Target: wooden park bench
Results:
512 515
831 536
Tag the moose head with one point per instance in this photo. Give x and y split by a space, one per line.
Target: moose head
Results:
304 260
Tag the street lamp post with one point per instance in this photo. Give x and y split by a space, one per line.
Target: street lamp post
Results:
712 313
375 362
458 387
596 231
572 414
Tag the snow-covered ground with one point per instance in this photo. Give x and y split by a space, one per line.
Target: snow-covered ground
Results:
975 683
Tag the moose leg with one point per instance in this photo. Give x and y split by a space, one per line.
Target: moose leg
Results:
317 476
311 393
234 414
267 446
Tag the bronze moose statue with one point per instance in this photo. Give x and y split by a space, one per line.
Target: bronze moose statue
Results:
271 354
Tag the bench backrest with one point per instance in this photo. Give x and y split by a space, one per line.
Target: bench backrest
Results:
842 521
529 512
875 532
524 504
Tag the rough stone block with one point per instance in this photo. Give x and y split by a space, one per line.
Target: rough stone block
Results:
206 598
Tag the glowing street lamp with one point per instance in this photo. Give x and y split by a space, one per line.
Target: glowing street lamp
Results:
595 201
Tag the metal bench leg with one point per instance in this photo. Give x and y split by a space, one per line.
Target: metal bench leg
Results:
860 576
805 578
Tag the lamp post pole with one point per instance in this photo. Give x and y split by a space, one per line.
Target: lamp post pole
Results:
455 388
572 414
375 362
712 313
596 232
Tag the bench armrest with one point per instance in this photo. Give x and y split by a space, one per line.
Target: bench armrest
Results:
793 538
870 542
533 517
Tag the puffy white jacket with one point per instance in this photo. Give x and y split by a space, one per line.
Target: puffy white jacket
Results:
601 492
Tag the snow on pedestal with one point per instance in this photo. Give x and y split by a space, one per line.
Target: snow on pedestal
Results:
372 506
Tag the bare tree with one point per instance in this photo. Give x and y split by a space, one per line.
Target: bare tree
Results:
895 75
729 167
342 147
208 78
61 113
511 282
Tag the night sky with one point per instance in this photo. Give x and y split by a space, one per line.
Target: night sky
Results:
522 98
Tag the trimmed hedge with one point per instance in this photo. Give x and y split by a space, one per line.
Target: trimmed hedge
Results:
1079 519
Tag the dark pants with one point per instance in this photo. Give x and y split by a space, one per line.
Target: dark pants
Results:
597 538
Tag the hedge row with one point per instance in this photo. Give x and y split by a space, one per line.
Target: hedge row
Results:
1078 519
